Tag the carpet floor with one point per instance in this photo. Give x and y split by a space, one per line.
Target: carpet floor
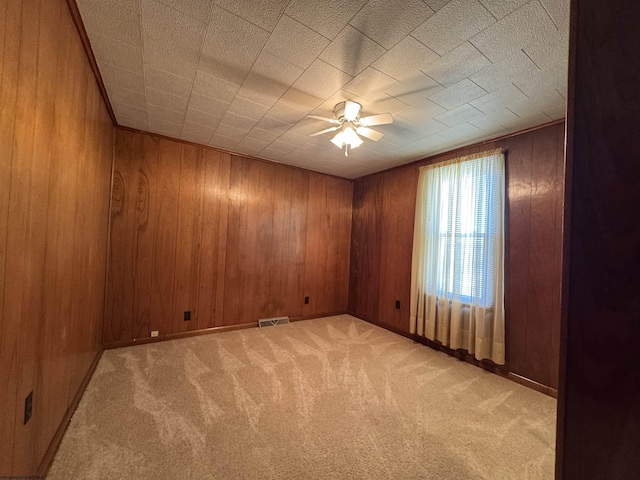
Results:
321 399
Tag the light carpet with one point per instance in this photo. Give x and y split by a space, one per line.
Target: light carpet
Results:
326 398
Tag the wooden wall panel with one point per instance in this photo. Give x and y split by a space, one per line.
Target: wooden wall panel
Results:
295 208
398 213
143 196
214 233
187 274
518 228
56 149
382 240
598 408
364 276
327 245
557 260
234 239
541 287
165 238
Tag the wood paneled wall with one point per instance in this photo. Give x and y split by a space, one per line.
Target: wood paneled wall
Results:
382 240
56 142
228 238
599 407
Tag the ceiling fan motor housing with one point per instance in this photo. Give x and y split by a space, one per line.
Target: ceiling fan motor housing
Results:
340 108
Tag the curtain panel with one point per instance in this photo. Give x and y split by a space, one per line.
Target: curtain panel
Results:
457 274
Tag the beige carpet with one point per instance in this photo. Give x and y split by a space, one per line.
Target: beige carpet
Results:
327 398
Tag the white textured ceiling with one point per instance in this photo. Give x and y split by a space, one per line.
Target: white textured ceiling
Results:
242 75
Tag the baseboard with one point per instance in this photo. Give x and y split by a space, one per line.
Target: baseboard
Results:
465 356
316 315
50 454
207 331
177 335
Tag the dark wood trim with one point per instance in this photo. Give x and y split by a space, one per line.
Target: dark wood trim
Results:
538 387
84 38
207 331
108 255
464 356
229 152
428 159
177 335
47 460
316 315
566 239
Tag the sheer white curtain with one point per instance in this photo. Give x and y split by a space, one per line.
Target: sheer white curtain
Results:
457 274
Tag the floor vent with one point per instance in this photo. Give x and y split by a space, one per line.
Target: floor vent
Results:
268 322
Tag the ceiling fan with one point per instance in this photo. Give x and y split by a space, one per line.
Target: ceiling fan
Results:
351 126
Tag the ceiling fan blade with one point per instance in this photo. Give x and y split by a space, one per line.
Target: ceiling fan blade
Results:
370 133
381 119
326 119
326 130
351 110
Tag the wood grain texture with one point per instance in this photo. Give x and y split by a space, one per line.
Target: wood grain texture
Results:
382 240
398 213
364 272
56 145
599 412
234 240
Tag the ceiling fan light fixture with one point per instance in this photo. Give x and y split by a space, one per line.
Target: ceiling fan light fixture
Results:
347 138
351 138
338 139
351 126
351 110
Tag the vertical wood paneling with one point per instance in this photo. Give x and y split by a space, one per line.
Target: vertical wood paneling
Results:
518 230
364 273
325 250
17 236
232 240
143 195
186 279
264 233
277 278
296 204
598 408
557 259
165 238
56 146
118 328
398 211
235 241
382 240
10 15
342 205
214 234
541 291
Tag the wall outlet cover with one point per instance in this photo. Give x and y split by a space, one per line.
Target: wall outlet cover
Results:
154 333
28 407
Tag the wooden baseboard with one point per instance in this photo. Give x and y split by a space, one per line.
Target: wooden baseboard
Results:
316 315
50 454
207 331
465 356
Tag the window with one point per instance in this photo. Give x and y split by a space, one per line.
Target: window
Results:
457 289
462 226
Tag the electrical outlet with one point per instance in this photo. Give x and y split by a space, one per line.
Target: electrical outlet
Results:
28 407
397 304
187 315
306 300
154 333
